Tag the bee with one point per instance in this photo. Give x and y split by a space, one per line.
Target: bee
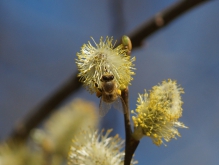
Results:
110 95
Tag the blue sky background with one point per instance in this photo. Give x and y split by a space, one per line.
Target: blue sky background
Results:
39 41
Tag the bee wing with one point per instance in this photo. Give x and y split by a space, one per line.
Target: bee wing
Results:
104 107
118 104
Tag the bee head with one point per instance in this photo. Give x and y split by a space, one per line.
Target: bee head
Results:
107 78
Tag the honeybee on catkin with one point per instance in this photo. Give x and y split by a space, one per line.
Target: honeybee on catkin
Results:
110 95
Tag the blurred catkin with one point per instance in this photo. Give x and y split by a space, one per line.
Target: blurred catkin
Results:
58 130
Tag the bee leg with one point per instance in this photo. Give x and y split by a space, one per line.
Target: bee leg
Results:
98 93
98 90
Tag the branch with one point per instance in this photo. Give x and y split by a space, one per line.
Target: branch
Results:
23 128
161 19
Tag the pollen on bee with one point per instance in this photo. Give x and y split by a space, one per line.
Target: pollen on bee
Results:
119 92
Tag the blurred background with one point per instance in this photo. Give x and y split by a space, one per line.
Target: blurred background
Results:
38 45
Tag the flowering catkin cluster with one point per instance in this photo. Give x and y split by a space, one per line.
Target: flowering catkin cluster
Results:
94 62
95 148
157 114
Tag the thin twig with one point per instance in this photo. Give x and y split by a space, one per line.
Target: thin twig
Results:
130 143
23 128
124 96
128 130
